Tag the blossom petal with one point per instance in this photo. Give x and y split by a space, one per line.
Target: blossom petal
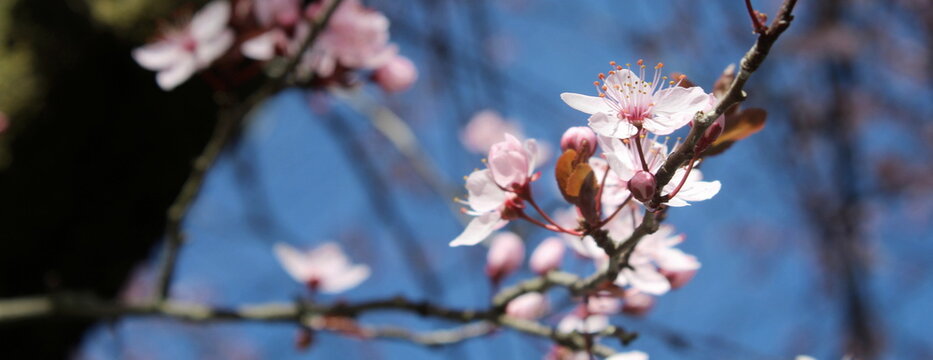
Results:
483 194
676 260
210 50
175 75
479 229
261 47
347 279
588 104
675 107
646 279
159 55
603 125
629 355
211 20
293 261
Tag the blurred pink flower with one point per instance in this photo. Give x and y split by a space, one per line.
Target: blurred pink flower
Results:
485 129
183 51
285 13
396 75
547 256
506 254
325 268
637 302
356 37
629 355
628 102
528 306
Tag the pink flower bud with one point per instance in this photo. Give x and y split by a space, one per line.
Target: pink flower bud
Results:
547 256
528 306
581 139
710 135
678 278
642 185
505 256
396 75
637 303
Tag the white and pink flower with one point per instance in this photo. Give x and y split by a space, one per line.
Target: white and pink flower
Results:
628 102
396 75
356 37
491 192
185 50
624 159
485 128
325 268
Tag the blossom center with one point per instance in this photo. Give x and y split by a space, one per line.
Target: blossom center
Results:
629 95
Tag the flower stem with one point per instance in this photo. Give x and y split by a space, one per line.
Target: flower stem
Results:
641 153
756 23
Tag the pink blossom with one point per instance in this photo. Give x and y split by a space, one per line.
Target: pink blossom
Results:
397 75
637 302
547 256
582 322
603 305
615 189
627 103
506 254
324 268
512 163
183 51
485 128
356 37
528 306
581 139
625 162
487 201
678 278
656 252
285 13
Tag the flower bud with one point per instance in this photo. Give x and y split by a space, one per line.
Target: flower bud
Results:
547 256
642 185
505 256
528 306
637 303
678 278
581 139
397 75
710 135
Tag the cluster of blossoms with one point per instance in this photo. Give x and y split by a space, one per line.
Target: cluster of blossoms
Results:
356 38
609 190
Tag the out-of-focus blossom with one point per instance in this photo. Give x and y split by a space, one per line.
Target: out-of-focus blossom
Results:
547 256
603 305
629 355
580 321
624 160
637 303
654 253
678 278
396 75
528 306
181 52
284 13
356 37
628 102
325 268
506 254
581 139
485 128
615 189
